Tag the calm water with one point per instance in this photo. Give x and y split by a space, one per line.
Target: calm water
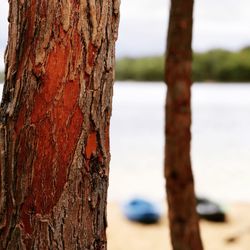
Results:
220 142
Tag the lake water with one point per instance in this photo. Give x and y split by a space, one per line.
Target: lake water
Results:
220 141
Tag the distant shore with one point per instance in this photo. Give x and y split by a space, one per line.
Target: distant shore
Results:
217 65
1 77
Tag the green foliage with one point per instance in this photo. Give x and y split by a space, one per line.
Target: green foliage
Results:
142 69
214 65
1 77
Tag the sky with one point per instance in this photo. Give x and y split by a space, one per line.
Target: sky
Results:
143 26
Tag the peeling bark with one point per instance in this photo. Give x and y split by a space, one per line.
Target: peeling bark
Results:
54 124
183 219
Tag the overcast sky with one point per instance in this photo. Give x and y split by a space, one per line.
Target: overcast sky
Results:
143 26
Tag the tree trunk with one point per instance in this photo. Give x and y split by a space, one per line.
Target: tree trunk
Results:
179 179
54 130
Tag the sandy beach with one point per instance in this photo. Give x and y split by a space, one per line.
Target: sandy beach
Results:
231 235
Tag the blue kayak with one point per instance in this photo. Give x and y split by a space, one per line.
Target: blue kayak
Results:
141 210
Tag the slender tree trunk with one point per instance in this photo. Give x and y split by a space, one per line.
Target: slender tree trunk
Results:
54 130
179 179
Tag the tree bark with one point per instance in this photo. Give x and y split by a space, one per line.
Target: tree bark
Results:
183 219
54 124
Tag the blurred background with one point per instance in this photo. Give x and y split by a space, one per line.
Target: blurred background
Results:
220 118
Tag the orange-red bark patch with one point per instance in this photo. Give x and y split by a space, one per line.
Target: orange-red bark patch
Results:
91 145
58 125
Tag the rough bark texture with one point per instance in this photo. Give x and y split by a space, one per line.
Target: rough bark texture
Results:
179 179
54 127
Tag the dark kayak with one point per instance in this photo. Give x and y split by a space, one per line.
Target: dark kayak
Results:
141 210
210 210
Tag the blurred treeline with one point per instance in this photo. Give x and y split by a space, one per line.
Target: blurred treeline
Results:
1 77
214 65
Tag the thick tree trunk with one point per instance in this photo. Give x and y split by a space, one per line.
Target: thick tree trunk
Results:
179 179
54 131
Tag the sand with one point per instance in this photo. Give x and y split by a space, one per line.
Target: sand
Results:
231 235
